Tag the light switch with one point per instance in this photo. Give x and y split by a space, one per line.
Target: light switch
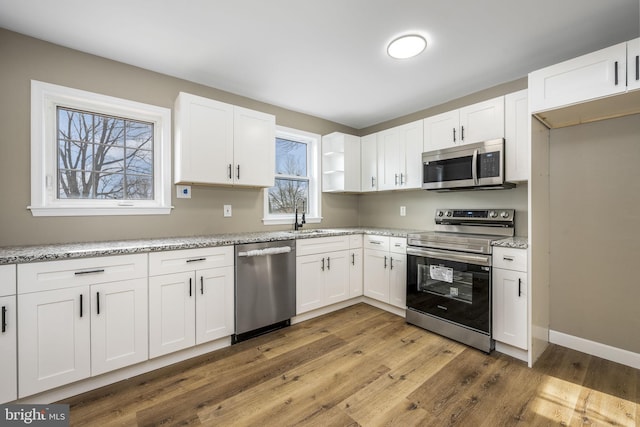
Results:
227 210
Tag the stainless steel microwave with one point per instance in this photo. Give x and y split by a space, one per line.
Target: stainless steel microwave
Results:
467 167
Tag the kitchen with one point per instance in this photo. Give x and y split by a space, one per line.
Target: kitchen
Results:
202 214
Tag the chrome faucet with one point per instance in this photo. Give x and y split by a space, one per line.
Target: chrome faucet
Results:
297 226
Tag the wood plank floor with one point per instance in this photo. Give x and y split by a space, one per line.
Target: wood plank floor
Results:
361 366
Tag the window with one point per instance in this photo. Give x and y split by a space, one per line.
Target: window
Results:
97 155
296 181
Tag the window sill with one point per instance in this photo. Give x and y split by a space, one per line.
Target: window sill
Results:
100 211
289 220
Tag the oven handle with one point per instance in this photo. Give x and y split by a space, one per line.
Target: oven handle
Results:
483 260
474 167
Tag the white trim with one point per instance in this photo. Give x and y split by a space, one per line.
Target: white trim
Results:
593 348
45 98
514 352
315 196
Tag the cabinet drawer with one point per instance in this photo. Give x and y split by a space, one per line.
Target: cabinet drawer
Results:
398 245
318 245
51 275
378 243
189 260
7 280
510 258
355 241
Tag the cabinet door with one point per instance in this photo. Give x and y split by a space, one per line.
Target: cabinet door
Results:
54 346
355 273
119 320
203 140
351 163
398 280
633 64
336 277
309 278
369 163
587 77
254 148
482 121
517 135
510 307
388 159
8 349
442 131
171 313
412 136
214 304
376 275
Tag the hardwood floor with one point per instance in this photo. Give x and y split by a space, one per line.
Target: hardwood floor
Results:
363 366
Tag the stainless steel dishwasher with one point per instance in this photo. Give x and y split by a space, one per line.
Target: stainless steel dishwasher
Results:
265 287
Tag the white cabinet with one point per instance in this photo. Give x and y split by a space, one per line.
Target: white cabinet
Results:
67 312
322 272
191 298
385 275
510 292
369 163
517 135
218 143
355 266
633 64
587 77
340 163
399 154
478 122
8 335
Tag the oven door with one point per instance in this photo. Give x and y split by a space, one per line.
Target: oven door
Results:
454 286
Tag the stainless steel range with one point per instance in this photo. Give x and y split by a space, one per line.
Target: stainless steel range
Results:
449 274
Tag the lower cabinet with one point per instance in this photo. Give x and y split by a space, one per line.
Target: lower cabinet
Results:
510 292
385 269
8 335
88 319
190 307
355 267
322 272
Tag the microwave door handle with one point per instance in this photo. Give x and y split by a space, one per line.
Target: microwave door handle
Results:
474 167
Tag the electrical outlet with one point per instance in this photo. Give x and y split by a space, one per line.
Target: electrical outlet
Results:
227 210
403 211
183 191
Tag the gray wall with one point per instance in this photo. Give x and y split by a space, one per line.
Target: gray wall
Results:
25 58
594 239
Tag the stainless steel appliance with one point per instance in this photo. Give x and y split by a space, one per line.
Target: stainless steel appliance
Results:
449 274
265 287
467 167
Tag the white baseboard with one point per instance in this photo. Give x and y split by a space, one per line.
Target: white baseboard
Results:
593 348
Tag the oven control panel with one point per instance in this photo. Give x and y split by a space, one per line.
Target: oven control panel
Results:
480 216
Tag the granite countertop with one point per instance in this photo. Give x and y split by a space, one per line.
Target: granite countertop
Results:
512 242
25 254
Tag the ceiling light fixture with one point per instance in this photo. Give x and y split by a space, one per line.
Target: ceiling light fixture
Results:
406 46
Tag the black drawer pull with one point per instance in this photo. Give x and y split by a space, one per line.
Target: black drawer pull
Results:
190 284
80 305
80 273
196 259
201 285
4 319
519 287
97 302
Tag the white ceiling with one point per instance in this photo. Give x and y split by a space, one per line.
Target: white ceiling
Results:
327 58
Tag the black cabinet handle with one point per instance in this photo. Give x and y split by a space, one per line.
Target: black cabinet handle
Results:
196 259
519 287
238 172
391 266
98 302
454 134
230 171
322 268
79 273
4 319
373 181
637 67
461 133
80 305
616 72
190 284
385 261
328 263
201 285
396 180
353 259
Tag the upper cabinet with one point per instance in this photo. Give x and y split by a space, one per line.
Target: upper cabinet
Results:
218 143
340 163
369 163
399 153
516 133
606 72
474 123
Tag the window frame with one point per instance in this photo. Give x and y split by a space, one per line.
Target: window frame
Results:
314 210
45 98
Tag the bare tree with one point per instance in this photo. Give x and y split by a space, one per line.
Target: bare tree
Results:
289 192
